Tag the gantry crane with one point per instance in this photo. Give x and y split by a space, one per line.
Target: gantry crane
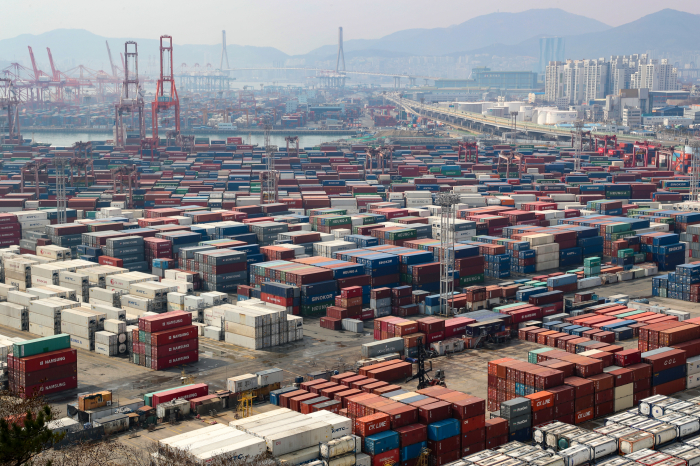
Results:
471 152
9 101
35 168
130 174
293 140
131 100
166 94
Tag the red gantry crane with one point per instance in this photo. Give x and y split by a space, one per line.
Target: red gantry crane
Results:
166 94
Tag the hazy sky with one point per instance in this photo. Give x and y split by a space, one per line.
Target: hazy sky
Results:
293 26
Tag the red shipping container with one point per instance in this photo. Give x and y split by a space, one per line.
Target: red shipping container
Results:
48 388
175 360
187 393
564 409
45 375
388 457
443 446
285 397
307 405
165 321
562 394
603 396
173 336
641 385
113 261
445 458
373 424
473 423
46 360
605 408
541 400
496 442
666 360
584 415
602 382
473 448
399 371
310 383
295 403
178 347
433 337
637 397
496 428
628 357
468 407
400 414
622 377
412 433
669 388
542 416
584 402
434 412
474 436
581 386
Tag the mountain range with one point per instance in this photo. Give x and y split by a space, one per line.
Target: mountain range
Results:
502 34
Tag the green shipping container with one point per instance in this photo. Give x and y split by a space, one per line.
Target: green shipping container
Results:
316 309
41 345
532 355
471 279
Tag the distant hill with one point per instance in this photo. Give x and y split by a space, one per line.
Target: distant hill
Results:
664 31
72 47
482 31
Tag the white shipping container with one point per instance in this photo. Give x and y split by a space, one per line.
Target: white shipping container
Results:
106 338
106 350
77 317
109 311
244 330
20 297
296 439
78 330
40 330
46 321
340 425
244 448
115 326
269 377
137 302
242 383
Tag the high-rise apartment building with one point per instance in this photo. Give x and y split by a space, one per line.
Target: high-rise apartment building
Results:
581 81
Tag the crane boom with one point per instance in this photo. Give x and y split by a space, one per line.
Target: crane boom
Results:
37 73
54 71
111 62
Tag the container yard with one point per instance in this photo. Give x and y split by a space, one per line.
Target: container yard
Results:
353 304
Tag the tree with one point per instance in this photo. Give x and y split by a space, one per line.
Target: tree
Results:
23 428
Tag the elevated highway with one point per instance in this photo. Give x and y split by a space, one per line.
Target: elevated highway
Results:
481 123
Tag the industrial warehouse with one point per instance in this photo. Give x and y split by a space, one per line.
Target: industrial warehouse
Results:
314 264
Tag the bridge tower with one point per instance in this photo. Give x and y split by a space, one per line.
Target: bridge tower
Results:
224 53
341 54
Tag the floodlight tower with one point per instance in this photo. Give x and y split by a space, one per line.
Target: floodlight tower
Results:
695 170
578 144
448 216
269 179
